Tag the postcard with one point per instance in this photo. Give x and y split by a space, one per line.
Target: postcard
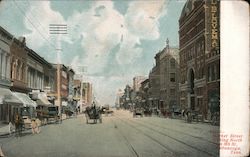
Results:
124 78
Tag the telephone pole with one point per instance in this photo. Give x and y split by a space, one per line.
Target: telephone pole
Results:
58 29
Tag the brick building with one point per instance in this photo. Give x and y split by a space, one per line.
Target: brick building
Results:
154 84
169 78
199 56
163 80
19 65
64 84
137 82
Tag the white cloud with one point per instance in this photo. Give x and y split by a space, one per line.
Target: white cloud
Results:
100 29
141 22
100 34
38 18
142 18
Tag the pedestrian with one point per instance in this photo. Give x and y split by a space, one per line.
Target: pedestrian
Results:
38 124
18 125
35 126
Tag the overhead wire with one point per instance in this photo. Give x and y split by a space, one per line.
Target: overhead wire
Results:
34 17
33 25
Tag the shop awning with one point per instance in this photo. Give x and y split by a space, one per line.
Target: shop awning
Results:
43 102
6 96
25 99
42 99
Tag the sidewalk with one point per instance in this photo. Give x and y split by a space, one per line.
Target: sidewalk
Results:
4 129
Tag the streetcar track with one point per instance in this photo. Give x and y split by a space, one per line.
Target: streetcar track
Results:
167 149
180 141
175 139
166 128
170 150
130 146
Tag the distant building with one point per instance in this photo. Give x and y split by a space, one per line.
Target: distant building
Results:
200 56
64 84
126 98
118 100
169 79
137 82
163 80
154 84
71 74
144 94
77 90
87 93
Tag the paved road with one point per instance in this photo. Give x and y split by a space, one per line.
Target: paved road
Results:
118 136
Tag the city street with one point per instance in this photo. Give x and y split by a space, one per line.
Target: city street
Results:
119 135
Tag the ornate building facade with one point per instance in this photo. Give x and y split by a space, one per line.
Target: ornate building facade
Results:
164 80
199 56
19 65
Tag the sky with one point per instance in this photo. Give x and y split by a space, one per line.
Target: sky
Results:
113 41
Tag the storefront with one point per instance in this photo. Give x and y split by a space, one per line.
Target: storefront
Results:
29 106
10 105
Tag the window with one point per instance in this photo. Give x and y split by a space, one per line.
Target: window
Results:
172 63
172 77
172 92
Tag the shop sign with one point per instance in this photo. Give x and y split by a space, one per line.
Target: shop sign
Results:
214 24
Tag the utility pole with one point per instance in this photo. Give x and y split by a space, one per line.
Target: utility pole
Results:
58 29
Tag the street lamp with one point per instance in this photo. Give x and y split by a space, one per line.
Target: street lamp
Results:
58 29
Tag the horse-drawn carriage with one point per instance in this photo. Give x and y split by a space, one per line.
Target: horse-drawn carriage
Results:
48 114
93 113
106 110
138 112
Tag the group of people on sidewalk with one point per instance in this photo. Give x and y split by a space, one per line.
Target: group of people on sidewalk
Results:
19 125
